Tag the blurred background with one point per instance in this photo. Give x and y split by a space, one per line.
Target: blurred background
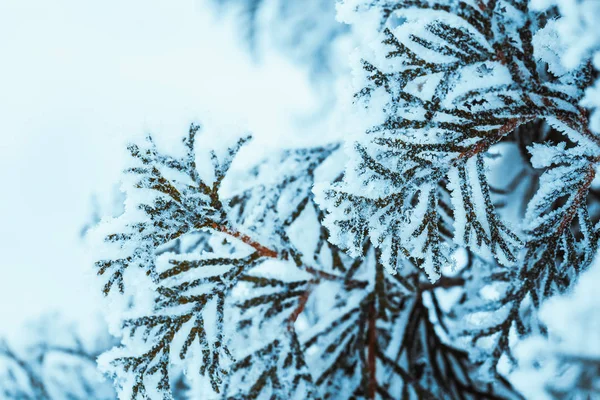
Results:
77 79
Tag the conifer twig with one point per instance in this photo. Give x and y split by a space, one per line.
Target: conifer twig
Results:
263 251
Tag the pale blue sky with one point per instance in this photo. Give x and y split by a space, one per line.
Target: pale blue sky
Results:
76 79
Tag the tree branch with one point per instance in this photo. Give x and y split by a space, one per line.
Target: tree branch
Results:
260 249
372 352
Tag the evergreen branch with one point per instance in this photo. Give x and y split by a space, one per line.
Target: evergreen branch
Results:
260 249
371 352
485 144
39 389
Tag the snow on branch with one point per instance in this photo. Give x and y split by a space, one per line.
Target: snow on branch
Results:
248 298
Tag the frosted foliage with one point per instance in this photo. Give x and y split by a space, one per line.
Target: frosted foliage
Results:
576 41
446 85
548 48
250 300
566 364
307 31
55 360
576 27
166 198
451 89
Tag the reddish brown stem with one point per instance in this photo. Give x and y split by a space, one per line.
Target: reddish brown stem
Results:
260 249
264 251
481 5
485 144
583 121
298 310
579 197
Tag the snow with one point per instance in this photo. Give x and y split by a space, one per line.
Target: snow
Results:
577 27
547 47
573 321
78 79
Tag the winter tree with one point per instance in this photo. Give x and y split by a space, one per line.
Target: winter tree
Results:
409 259
55 360
307 31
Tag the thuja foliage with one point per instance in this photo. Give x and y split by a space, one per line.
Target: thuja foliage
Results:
565 364
404 263
307 31
461 101
53 361
249 296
